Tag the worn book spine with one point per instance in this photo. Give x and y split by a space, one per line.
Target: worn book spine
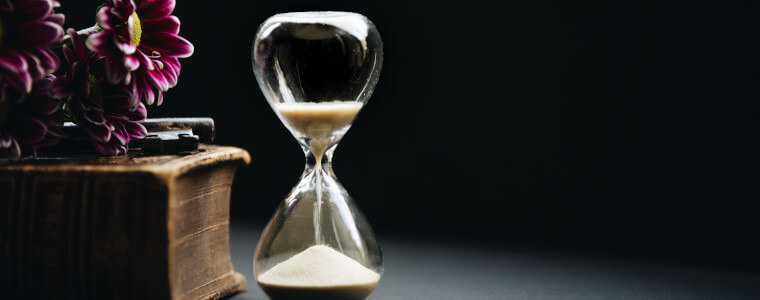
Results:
117 232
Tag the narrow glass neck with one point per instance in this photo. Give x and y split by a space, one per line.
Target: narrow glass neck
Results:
319 156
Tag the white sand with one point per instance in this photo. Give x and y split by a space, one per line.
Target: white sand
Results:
318 120
319 266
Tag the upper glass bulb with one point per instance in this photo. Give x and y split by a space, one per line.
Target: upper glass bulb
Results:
317 57
317 69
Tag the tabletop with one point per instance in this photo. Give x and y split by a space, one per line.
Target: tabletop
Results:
439 271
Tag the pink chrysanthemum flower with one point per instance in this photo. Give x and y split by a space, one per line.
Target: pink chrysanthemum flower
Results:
141 46
105 111
30 124
27 30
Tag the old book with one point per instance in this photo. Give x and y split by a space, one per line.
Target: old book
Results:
131 227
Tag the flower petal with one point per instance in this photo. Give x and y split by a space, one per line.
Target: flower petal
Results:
171 70
59 88
122 9
48 59
97 42
124 109
168 25
167 44
134 94
107 149
5 139
57 18
160 98
12 61
39 34
98 133
155 10
140 113
125 47
115 70
94 117
150 97
103 18
145 60
12 152
157 79
76 41
131 63
121 135
34 10
36 69
135 130
21 81
29 130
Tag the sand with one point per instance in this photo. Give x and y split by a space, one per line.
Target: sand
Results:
319 272
318 120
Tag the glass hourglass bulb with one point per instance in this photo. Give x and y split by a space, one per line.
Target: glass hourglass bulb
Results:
317 70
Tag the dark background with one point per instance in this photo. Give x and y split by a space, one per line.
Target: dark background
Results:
627 128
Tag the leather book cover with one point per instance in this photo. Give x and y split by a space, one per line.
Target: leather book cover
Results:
129 227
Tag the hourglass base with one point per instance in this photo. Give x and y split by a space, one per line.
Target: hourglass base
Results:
346 292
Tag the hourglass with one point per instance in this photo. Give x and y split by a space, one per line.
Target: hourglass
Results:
317 70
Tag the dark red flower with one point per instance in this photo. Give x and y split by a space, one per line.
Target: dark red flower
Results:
141 46
27 30
111 125
105 111
30 124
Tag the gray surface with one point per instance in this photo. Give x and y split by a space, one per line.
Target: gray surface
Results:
419 271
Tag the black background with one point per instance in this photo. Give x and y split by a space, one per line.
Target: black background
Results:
628 127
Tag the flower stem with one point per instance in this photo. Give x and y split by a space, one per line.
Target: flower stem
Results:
84 33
